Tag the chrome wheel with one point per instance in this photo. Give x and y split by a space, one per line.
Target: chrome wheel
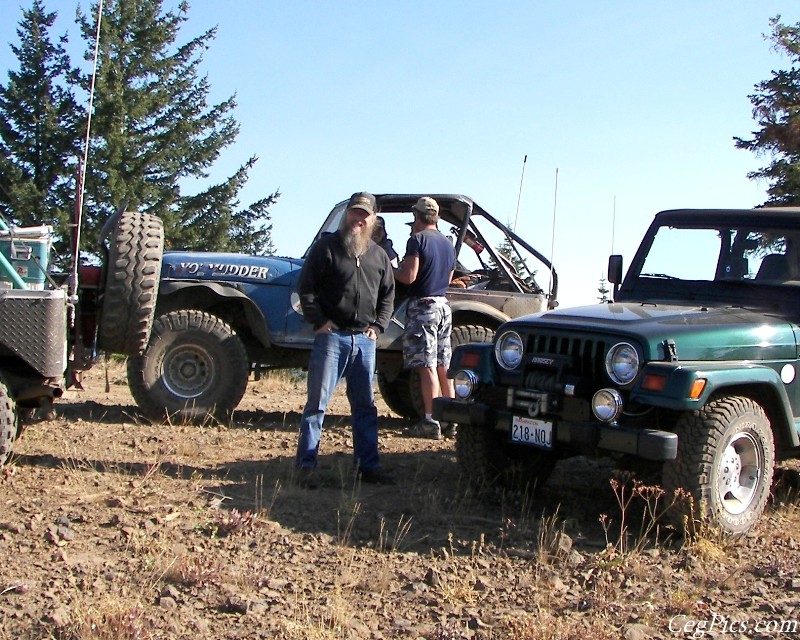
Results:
740 471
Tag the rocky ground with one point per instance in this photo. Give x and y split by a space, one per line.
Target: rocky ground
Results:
113 527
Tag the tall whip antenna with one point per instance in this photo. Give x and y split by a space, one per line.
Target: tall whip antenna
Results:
85 159
519 196
613 223
553 239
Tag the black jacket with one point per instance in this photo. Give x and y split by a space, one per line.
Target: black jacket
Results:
353 293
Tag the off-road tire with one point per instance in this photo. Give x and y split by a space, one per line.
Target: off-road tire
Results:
487 459
461 334
9 423
725 462
130 285
397 394
195 368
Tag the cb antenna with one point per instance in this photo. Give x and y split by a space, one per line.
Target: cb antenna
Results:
613 223
519 196
553 239
79 187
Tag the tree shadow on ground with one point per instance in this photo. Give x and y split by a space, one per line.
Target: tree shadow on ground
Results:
91 411
431 506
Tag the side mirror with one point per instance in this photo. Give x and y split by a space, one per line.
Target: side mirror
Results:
615 269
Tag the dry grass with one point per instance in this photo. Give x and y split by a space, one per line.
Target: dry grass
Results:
201 532
549 625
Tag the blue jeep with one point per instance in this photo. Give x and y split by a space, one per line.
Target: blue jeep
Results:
220 316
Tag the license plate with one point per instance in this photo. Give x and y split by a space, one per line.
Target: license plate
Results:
537 433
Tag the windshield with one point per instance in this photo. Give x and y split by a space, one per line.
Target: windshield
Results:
715 262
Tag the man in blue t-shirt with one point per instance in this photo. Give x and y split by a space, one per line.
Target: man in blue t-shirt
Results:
427 268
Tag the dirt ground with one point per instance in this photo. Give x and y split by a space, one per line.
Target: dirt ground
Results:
113 527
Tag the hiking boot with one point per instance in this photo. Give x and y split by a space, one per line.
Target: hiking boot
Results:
449 429
429 429
375 476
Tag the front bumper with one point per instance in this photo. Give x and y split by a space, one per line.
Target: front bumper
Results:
650 444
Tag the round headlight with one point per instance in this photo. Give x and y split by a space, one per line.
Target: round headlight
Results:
607 405
508 350
464 383
622 363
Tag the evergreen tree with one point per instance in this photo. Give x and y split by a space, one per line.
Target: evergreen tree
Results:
39 140
776 108
153 132
509 251
603 290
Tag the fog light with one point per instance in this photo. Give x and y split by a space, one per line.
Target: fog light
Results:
607 405
464 383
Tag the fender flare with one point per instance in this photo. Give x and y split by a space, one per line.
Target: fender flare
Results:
174 295
472 307
739 379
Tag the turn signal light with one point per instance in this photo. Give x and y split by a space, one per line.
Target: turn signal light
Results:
653 382
469 359
697 388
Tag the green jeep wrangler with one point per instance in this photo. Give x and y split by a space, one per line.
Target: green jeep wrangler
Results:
694 366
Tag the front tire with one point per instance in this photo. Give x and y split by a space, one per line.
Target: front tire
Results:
194 367
726 460
486 459
9 424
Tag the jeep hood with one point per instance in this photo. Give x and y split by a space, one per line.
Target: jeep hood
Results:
229 267
699 333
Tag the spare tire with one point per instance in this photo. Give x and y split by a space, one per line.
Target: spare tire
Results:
130 285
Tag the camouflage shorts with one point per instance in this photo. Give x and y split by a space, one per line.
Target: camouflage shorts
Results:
426 341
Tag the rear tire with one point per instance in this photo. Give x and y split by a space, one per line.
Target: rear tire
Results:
397 393
133 271
194 367
9 424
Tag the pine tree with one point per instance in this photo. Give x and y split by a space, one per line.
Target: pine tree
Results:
509 251
39 140
603 290
153 132
776 108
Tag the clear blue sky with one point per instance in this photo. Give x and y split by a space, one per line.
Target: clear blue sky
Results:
633 104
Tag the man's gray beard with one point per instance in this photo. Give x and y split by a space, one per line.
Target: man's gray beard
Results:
356 242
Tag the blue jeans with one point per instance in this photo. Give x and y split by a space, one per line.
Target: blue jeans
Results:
334 356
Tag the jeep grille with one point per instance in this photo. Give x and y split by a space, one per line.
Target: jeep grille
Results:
585 356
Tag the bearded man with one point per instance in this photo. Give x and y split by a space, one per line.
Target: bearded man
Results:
346 291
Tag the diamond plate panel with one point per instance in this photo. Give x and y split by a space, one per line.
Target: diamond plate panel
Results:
33 326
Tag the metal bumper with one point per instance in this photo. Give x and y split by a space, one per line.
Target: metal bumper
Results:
650 444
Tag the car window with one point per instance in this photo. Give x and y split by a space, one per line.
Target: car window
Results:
686 254
764 255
